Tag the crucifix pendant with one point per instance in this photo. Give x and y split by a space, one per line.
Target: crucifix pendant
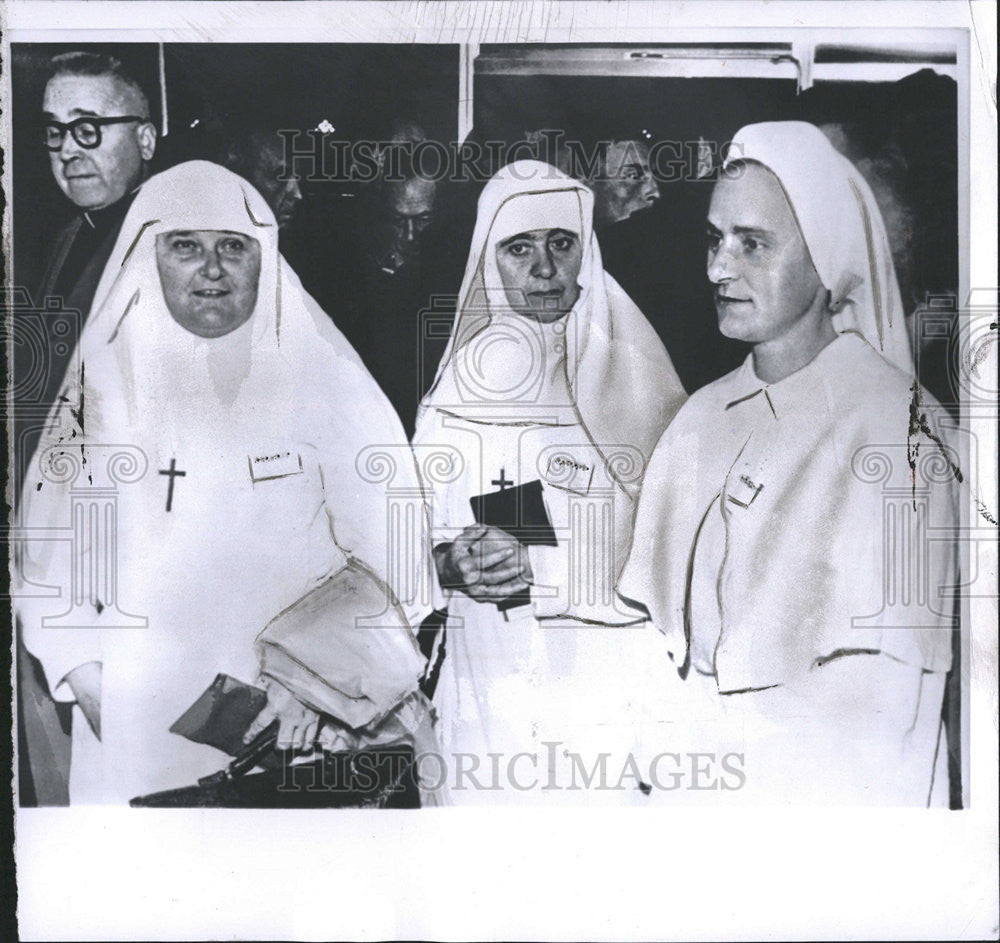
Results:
172 472
502 483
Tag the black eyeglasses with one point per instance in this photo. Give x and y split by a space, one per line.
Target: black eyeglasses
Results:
86 131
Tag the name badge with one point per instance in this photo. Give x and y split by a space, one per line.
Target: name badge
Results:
270 465
744 491
569 474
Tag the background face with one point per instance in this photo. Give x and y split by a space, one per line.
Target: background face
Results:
539 271
101 176
406 212
209 279
283 196
628 186
758 262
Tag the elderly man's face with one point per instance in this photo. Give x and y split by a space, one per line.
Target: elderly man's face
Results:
209 279
626 186
539 271
765 281
282 195
98 177
408 210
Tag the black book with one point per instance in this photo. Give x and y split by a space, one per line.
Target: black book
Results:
520 511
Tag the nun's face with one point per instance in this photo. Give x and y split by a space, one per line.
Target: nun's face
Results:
539 271
765 282
209 279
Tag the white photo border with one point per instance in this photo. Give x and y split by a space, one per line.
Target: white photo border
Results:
113 874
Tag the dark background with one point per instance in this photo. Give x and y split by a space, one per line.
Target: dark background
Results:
903 135
359 89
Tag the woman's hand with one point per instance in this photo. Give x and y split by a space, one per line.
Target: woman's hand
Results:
485 563
298 725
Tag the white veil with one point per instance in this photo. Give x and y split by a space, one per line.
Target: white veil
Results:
619 376
842 227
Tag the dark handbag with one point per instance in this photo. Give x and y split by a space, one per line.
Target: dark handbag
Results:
382 778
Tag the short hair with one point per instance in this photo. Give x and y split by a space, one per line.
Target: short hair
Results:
604 149
586 160
242 147
98 64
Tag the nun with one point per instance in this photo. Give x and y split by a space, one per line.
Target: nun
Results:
224 415
550 397
794 540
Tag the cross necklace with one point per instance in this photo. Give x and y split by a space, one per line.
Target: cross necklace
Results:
172 472
502 483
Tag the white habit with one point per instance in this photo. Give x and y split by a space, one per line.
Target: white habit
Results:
576 405
244 492
796 564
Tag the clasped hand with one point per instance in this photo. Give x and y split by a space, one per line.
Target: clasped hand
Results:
485 563
299 727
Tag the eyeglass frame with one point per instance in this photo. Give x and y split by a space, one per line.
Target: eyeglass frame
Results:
96 120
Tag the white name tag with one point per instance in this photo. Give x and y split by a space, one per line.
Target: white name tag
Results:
278 464
570 474
743 491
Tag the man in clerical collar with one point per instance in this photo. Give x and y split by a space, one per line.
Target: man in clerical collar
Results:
100 139
97 130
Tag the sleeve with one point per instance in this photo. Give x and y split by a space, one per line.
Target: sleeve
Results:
62 615
637 580
45 562
576 579
550 580
896 524
939 471
374 501
673 496
60 650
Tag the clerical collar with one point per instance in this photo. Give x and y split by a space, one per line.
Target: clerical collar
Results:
107 216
